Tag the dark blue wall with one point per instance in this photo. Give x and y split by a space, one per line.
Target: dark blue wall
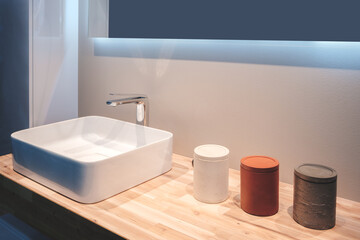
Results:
314 20
14 69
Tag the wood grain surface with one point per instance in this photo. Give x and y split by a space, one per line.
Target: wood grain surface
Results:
164 208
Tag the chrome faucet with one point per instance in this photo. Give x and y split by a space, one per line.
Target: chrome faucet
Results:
142 105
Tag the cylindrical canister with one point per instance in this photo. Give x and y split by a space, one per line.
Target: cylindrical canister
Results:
315 196
211 173
260 185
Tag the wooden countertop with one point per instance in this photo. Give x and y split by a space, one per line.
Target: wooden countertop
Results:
164 208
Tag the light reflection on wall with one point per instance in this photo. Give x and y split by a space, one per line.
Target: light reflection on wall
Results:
343 55
55 51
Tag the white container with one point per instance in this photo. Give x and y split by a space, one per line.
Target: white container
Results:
211 173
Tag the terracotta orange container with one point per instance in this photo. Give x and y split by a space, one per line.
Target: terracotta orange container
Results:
260 185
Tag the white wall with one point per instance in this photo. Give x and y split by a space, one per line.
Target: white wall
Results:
295 101
54 79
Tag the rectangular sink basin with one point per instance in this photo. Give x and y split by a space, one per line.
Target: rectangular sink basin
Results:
92 158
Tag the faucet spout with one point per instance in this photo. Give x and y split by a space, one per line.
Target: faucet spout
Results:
142 105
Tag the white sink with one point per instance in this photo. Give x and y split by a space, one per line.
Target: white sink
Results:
92 158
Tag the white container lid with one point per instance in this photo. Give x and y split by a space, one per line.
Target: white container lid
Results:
211 152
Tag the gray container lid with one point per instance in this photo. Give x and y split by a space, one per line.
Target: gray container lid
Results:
316 173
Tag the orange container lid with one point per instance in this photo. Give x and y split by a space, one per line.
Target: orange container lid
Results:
260 164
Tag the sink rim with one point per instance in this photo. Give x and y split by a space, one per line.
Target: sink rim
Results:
18 138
